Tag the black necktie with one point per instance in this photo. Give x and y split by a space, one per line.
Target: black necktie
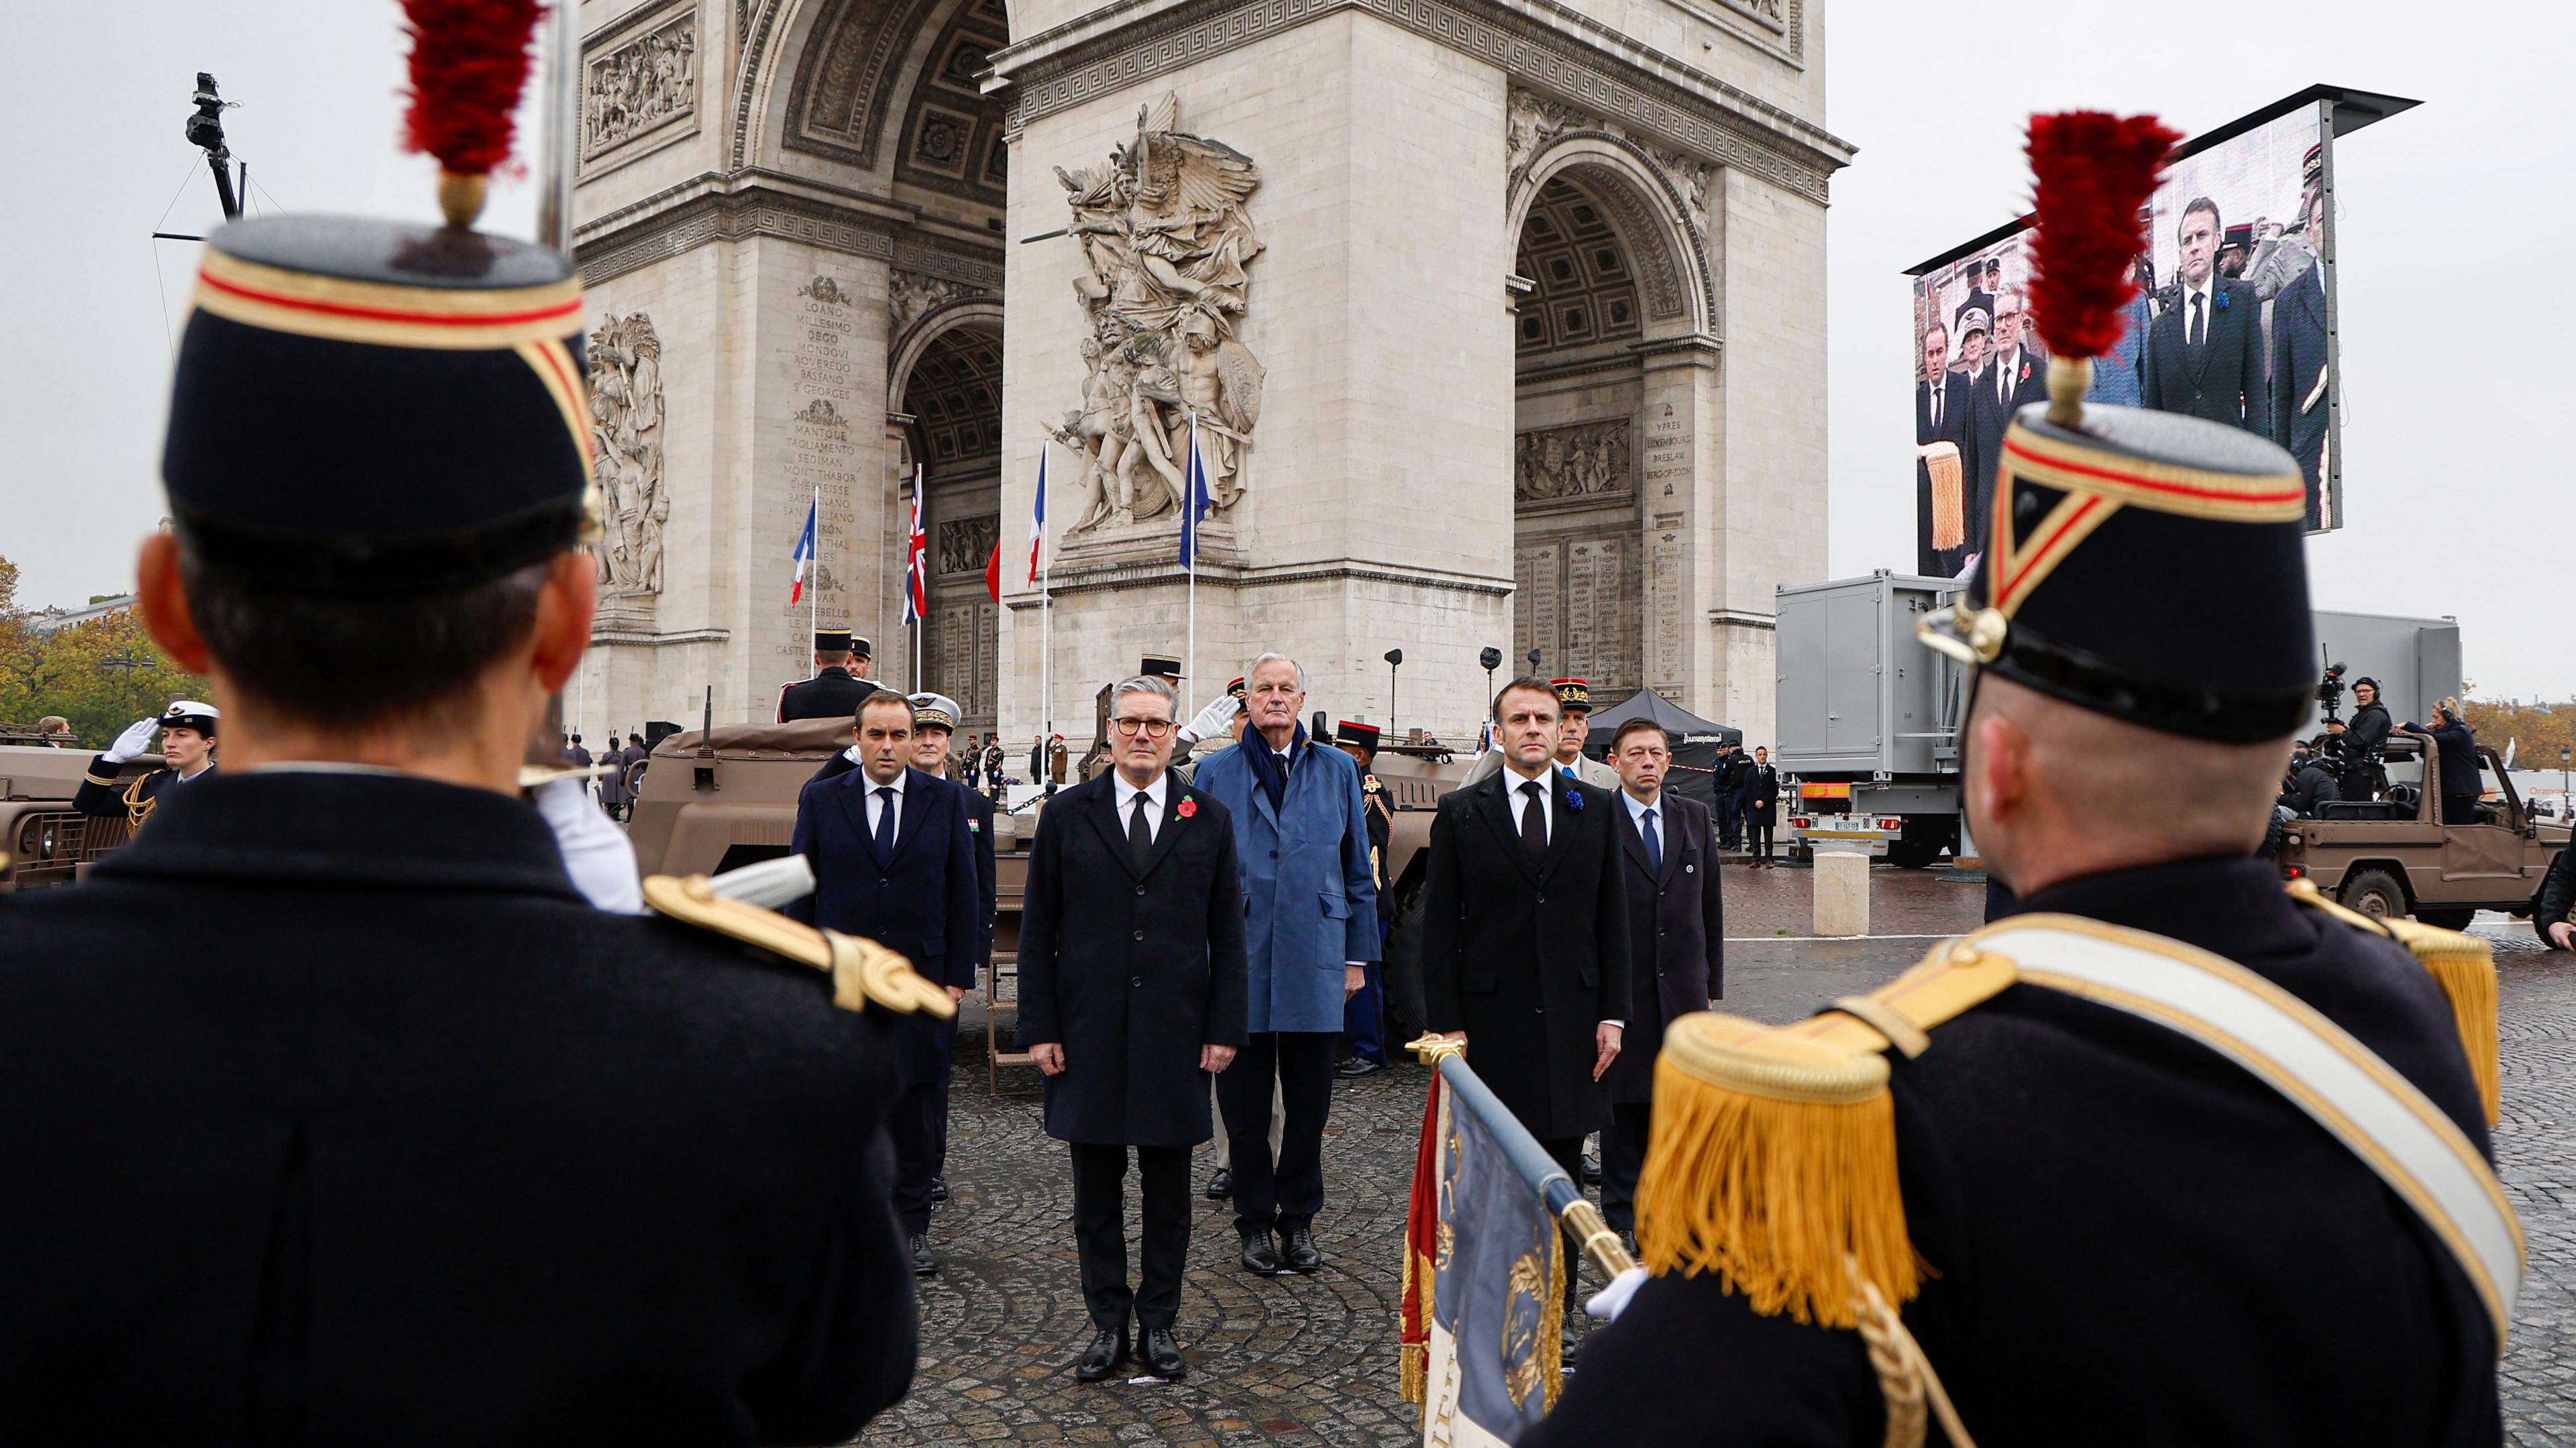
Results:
1654 846
1140 839
1936 409
1534 822
2198 332
885 819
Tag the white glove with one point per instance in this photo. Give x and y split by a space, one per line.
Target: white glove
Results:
135 742
852 754
596 852
1607 1303
1210 722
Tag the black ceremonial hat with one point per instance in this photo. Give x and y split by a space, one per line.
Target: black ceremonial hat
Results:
2145 565
1161 666
369 406
831 641
1351 731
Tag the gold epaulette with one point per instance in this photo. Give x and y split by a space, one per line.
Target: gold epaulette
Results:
1773 1155
2462 965
863 972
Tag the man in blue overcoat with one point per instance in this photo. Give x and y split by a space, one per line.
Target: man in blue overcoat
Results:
1309 930
894 861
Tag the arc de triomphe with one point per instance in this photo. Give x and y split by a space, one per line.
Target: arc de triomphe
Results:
1498 322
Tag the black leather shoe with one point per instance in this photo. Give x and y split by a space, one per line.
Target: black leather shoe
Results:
1162 1353
1260 1254
924 1261
1298 1251
1220 1186
1592 1168
1108 1349
939 1189
1358 1066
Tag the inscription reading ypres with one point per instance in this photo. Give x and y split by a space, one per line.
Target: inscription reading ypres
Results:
641 86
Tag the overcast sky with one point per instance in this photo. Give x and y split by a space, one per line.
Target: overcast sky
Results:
2454 224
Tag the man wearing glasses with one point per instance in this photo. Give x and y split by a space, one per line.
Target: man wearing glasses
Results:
1131 996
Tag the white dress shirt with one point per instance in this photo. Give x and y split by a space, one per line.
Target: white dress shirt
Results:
1513 779
2006 364
1637 816
2208 306
878 803
1153 794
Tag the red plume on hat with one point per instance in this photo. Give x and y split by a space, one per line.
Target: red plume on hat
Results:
2093 172
469 61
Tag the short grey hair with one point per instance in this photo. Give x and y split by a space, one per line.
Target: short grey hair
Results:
1143 684
1276 659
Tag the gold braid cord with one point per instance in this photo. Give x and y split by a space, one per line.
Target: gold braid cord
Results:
1906 1380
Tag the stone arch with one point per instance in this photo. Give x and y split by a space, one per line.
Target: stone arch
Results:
1652 216
838 79
979 313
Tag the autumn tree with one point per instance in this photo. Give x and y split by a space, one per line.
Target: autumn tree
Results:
102 674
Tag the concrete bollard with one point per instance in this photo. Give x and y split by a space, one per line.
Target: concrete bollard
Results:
1842 892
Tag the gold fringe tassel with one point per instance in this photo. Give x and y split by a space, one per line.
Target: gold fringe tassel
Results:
1551 1324
1949 498
1773 1194
2464 967
1415 1360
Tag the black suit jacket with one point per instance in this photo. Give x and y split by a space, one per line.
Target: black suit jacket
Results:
924 900
336 1115
2298 363
1930 429
2257 1258
979 822
1131 970
833 693
1528 962
1676 937
1761 792
2223 379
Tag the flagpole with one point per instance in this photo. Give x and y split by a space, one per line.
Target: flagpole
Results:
1190 526
1046 612
814 608
921 563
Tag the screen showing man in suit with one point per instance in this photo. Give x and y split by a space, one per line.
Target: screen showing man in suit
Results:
2233 322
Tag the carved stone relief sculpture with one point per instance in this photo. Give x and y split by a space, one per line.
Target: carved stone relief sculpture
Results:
966 544
641 86
1168 247
910 295
626 434
1586 460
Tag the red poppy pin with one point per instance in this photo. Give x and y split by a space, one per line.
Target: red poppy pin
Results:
2025 370
1188 807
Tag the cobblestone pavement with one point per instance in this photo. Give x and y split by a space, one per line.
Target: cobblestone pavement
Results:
1312 1360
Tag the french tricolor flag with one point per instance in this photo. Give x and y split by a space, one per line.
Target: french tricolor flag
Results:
804 553
1037 520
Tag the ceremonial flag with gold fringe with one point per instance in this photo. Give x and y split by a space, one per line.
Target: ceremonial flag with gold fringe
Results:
1485 1272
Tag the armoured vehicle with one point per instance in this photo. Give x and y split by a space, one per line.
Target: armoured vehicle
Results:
43 840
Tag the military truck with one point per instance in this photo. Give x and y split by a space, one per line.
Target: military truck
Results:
1868 718
44 840
2397 856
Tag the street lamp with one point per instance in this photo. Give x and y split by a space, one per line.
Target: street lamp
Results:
1394 661
1492 659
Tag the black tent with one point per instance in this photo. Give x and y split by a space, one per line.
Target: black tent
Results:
1694 740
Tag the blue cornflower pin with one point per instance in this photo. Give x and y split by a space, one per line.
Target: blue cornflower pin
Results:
2222 301
1574 800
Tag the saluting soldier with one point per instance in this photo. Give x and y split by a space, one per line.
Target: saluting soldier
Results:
2168 1155
840 683
334 1113
187 754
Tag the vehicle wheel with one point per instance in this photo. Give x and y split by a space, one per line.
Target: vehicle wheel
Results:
1912 854
2374 893
2447 919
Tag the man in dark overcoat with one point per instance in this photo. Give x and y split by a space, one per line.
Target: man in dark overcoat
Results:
894 862
1131 995
2205 353
2301 405
1676 945
1525 929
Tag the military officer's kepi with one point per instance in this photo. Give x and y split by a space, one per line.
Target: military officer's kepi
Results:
1160 666
2146 565
366 406
831 641
1351 731
1234 689
1573 694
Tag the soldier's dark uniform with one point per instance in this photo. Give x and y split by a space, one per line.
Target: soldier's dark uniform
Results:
105 794
2124 1236
834 692
1364 1016
333 1113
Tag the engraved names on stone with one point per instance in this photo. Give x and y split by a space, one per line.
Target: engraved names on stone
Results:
822 454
